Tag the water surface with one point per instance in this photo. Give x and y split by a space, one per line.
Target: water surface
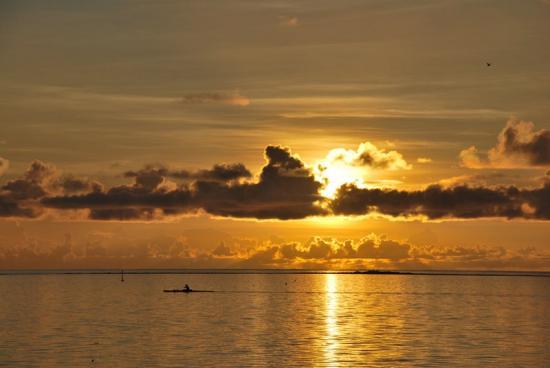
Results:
274 320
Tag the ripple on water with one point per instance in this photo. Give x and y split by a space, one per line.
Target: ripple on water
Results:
256 320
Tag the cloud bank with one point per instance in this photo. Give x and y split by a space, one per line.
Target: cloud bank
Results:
371 251
20 197
437 202
286 188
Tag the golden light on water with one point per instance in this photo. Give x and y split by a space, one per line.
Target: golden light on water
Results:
331 320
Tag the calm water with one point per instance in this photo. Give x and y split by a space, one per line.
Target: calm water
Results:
274 320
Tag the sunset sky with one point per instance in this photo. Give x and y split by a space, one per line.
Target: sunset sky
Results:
289 134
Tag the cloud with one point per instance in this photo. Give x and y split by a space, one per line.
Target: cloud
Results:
519 145
234 98
22 189
148 178
437 202
4 166
346 166
19 197
154 177
16 195
367 155
10 207
70 185
286 189
378 251
370 247
370 251
126 202
383 249
491 179
42 178
222 250
219 172
469 157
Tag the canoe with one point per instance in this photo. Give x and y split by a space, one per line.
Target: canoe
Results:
187 291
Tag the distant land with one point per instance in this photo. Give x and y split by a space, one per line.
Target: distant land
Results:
273 271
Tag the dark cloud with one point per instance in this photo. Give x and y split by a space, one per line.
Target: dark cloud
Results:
71 184
19 197
219 172
519 145
16 195
285 190
537 203
520 138
281 158
39 172
148 178
43 179
33 184
121 214
21 189
151 176
436 202
125 202
9 207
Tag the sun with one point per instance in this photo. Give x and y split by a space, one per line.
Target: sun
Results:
335 174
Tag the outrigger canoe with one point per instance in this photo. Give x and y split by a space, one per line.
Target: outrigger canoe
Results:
187 291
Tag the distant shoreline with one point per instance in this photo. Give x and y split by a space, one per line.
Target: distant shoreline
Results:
273 272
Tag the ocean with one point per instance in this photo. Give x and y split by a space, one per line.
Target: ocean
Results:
273 319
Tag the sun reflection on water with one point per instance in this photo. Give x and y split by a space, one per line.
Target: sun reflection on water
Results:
331 320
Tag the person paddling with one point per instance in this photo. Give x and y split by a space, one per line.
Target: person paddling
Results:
186 288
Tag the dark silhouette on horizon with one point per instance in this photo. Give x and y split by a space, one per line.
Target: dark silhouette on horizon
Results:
187 289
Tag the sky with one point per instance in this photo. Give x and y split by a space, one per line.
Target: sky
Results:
275 134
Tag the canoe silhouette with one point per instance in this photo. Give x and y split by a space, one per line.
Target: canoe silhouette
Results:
187 291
